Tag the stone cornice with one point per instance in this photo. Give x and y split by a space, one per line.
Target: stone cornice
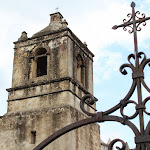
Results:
51 36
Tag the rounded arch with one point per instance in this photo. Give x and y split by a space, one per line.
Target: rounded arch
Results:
37 49
40 51
80 70
80 59
39 61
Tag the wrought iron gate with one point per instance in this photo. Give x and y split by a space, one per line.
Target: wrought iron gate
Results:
142 136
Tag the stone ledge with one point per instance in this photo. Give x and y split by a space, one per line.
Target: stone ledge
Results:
48 82
38 95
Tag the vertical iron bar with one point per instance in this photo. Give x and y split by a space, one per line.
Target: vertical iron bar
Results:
139 92
135 36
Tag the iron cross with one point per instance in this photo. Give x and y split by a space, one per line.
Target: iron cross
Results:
135 21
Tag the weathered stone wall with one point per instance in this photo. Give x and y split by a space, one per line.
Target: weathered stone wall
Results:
48 95
16 128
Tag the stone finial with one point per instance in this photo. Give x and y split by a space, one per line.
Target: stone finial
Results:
85 44
57 23
56 17
64 23
23 36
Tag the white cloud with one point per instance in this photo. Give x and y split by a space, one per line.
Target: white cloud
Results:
107 63
96 28
96 31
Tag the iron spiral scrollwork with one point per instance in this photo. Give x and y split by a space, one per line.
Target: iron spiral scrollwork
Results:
90 100
125 21
140 18
142 135
137 74
138 28
110 147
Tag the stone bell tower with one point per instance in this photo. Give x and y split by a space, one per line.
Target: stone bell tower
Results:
52 70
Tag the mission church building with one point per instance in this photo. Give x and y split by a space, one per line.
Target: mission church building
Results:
52 71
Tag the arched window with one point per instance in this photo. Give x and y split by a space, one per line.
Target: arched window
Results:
38 63
80 70
41 61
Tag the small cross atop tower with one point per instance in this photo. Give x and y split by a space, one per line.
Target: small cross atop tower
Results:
57 9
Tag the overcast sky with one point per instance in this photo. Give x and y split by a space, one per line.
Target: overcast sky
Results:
91 21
